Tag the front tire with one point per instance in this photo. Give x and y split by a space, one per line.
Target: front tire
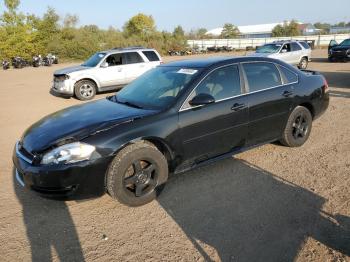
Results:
137 174
85 90
298 127
303 63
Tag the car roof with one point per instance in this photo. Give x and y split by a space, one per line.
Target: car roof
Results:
212 61
125 49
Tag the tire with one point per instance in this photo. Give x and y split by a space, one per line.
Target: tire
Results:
85 90
298 127
303 63
137 175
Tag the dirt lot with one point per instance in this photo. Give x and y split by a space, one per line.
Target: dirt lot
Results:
269 204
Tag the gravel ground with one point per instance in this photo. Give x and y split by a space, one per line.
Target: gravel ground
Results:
271 203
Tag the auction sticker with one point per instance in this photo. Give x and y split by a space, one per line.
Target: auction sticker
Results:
187 71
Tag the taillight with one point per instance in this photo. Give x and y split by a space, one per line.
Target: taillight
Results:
325 85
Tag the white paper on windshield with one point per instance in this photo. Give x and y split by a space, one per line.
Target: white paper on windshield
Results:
187 71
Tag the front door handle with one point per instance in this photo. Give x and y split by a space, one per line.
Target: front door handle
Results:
287 93
237 107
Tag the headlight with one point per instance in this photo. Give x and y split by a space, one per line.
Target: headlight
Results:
61 77
69 153
330 51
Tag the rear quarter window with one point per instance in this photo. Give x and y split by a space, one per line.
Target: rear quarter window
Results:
151 56
288 76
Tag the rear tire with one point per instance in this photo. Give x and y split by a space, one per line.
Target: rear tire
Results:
85 90
137 175
303 63
298 127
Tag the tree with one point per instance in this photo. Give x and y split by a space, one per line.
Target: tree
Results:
229 31
140 25
179 33
324 27
287 29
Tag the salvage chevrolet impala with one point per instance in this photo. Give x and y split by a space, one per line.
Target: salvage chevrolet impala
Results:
173 118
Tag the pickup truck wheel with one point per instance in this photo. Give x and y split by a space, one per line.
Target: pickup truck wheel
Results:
298 127
137 174
303 63
85 90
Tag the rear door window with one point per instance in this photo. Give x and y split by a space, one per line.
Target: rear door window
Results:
133 58
151 56
261 75
305 45
295 47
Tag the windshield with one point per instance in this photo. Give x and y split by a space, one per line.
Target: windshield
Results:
157 88
269 48
94 60
345 42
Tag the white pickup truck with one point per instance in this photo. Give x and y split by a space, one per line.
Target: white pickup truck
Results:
104 71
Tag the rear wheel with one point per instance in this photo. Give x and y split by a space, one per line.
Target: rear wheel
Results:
85 90
137 174
303 63
298 127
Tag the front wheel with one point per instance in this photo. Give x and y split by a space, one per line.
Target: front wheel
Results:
137 174
298 127
303 63
85 90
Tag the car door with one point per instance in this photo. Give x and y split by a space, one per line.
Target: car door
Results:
285 53
216 128
135 66
111 72
269 101
296 53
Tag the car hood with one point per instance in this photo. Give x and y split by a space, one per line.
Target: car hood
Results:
340 48
71 69
78 122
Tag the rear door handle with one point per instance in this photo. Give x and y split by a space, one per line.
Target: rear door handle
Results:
237 107
287 93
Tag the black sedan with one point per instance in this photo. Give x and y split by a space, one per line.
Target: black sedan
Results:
173 118
339 52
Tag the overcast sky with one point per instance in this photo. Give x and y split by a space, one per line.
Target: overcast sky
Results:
193 14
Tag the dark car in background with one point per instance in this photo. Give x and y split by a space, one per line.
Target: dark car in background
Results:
339 52
173 118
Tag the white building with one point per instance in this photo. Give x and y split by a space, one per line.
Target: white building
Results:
249 31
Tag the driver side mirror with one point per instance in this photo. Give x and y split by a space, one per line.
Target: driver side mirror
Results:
104 64
202 99
284 51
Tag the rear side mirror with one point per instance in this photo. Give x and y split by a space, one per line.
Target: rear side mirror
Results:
104 64
202 99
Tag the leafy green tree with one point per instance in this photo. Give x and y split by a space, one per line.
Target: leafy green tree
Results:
229 31
287 29
140 25
324 27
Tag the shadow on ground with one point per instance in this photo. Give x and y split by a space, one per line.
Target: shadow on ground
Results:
49 225
248 214
339 79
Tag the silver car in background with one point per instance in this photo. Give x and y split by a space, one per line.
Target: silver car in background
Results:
104 71
292 52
